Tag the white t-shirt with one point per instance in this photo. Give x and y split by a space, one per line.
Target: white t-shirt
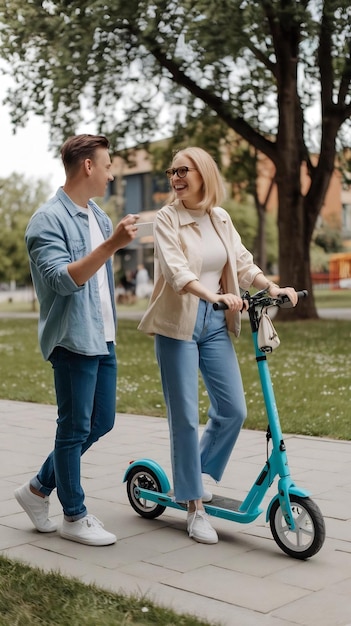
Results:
214 254
97 238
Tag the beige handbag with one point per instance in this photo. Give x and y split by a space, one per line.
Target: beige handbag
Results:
267 338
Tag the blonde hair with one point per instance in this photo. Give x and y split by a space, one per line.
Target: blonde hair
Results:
213 186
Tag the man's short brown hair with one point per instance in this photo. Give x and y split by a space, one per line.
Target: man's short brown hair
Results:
80 147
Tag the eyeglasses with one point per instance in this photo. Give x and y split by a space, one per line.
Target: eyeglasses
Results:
180 171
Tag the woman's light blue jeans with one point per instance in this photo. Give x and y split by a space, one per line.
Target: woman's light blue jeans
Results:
86 401
212 351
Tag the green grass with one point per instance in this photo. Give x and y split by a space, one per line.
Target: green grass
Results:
311 377
31 597
324 298
30 307
333 298
310 372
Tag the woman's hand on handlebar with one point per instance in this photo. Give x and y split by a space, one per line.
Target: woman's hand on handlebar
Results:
234 303
276 291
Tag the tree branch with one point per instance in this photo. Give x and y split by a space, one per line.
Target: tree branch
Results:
221 107
345 84
263 58
325 63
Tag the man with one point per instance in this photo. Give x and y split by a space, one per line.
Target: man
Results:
70 242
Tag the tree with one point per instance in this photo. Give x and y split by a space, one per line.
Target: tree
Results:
18 200
258 66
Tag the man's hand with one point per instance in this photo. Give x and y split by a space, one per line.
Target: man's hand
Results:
125 231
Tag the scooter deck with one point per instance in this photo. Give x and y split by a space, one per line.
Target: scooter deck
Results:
220 506
220 502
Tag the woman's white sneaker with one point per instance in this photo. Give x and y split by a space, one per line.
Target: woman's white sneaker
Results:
207 496
36 507
88 530
200 529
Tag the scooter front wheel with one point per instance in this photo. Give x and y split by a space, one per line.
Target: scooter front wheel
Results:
308 536
143 477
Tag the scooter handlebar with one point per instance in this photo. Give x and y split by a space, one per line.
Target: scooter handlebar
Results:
286 302
283 302
219 306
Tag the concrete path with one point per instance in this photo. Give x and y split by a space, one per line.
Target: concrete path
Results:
244 580
333 314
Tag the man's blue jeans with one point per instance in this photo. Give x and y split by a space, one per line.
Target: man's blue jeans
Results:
212 351
86 400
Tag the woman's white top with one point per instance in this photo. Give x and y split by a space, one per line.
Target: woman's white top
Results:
214 254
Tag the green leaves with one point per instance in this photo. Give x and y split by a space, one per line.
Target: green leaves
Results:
254 67
18 200
72 55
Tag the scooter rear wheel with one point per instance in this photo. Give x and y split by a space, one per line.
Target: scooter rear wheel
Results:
143 477
309 534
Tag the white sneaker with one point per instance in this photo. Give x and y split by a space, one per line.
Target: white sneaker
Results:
36 507
88 530
207 497
200 529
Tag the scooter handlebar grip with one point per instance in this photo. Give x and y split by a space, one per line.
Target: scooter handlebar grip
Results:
302 294
286 302
220 306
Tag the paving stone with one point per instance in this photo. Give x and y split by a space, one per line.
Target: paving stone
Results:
244 580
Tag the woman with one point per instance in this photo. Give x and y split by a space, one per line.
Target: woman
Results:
199 260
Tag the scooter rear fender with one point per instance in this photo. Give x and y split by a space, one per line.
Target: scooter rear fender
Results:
155 467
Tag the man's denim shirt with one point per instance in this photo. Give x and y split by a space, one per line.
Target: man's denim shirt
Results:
70 315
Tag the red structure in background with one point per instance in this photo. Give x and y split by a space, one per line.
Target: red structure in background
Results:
340 270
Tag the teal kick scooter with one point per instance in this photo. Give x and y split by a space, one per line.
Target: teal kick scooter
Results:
296 522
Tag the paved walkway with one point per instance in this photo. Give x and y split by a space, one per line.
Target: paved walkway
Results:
244 580
336 314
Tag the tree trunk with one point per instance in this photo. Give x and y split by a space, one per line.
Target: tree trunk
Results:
294 256
261 208
293 218
295 215
261 247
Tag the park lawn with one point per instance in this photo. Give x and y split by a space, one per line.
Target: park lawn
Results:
310 372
